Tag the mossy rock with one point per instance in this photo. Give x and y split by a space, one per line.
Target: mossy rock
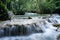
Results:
56 25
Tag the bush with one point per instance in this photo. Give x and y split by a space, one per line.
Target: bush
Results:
3 14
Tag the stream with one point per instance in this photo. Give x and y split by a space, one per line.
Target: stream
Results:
36 28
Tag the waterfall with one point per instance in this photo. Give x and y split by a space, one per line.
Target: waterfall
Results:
11 15
24 29
28 29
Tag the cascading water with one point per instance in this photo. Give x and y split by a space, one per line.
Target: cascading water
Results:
28 29
33 31
54 19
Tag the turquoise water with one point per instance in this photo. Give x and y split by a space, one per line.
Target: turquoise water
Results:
58 17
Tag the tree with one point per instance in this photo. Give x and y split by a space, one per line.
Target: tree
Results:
3 11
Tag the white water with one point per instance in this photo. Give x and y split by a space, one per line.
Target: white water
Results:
49 32
54 19
48 35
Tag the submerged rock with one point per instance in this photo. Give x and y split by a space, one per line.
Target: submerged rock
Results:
58 37
29 18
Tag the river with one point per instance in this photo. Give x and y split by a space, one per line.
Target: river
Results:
28 29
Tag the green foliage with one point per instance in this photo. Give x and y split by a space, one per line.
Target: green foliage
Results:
22 6
40 6
3 11
49 6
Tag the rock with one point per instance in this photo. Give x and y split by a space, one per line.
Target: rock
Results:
1 32
58 37
29 18
6 31
56 25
